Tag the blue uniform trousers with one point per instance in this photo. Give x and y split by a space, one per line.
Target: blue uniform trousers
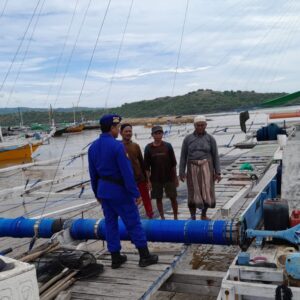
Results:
128 211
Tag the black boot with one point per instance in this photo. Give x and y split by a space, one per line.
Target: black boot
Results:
117 259
147 259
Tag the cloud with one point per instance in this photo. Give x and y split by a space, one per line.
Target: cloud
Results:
135 73
232 44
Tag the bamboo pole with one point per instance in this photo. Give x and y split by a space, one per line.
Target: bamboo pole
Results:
53 280
35 255
57 287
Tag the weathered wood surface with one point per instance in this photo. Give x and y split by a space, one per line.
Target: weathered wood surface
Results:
128 282
212 258
132 282
205 281
198 282
290 173
137 281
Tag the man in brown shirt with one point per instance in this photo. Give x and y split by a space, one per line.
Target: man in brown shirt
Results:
137 162
160 164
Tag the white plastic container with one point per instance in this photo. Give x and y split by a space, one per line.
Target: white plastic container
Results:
281 139
19 283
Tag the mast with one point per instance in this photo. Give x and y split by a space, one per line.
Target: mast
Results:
74 114
20 117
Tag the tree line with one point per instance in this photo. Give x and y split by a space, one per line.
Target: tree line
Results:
197 102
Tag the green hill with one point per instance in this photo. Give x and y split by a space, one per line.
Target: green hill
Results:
197 102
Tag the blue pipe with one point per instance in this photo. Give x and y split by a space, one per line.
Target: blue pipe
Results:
179 231
21 227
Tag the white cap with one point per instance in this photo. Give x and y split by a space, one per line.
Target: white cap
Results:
199 118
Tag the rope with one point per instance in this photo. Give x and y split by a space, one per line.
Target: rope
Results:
64 199
284 51
62 51
13 174
19 47
170 46
93 52
259 42
56 171
4 8
33 240
180 45
118 55
25 53
278 46
72 52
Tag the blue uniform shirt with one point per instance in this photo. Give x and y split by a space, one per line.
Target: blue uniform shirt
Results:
107 158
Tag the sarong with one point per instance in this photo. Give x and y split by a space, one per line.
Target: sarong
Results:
200 184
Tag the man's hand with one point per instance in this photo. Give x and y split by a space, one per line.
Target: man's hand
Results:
182 177
138 201
217 177
176 181
149 185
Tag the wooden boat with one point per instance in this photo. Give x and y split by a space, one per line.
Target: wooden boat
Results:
69 129
91 125
60 131
75 128
18 151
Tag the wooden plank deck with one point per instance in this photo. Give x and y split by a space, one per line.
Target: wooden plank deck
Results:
208 261
132 282
128 282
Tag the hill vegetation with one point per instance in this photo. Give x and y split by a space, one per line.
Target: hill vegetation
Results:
197 102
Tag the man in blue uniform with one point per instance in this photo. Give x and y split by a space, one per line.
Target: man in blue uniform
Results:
115 188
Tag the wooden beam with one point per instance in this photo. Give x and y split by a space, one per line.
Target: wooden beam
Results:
265 180
226 209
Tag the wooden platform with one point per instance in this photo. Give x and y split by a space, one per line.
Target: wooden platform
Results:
200 269
128 282
196 269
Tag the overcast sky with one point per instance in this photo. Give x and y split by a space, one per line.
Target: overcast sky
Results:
47 46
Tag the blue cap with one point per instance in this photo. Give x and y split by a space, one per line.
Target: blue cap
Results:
110 120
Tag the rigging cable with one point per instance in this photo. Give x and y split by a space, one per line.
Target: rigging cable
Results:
72 52
19 47
167 48
180 45
286 44
25 53
3 9
275 47
93 52
250 51
55 173
118 55
62 52
47 198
